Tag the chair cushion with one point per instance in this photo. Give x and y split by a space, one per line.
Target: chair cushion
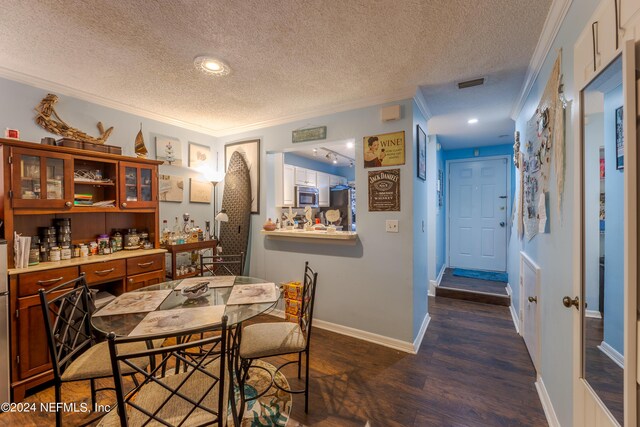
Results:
96 361
271 339
151 396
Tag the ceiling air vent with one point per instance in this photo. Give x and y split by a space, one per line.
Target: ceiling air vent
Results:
471 83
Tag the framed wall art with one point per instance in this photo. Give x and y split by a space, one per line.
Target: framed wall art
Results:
199 156
384 150
384 190
250 150
169 150
422 153
171 188
199 191
619 140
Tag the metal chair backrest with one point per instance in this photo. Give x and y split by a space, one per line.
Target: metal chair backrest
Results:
308 300
222 265
67 311
186 384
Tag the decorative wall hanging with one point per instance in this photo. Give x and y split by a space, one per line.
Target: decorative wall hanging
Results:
236 202
199 191
619 140
384 190
170 188
141 150
384 150
541 135
439 186
49 119
199 156
516 149
250 151
309 134
169 150
422 153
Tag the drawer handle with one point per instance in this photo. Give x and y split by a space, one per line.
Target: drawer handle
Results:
103 272
46 282
145 264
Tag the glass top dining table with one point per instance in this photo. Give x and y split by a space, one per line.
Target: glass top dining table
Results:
123 324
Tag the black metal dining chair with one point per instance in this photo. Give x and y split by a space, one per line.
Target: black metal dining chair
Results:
187 386
280 338
222 265
75 356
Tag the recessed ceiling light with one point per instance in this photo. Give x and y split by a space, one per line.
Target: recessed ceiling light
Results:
472 121
211 66
349 144
335 160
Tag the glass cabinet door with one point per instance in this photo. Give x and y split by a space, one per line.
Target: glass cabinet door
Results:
40 180
138 183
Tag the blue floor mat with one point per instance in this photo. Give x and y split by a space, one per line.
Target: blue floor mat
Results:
482 275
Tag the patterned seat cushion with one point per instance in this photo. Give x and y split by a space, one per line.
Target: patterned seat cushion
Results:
271 339
96 362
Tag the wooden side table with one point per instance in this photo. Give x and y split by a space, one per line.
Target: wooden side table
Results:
174 250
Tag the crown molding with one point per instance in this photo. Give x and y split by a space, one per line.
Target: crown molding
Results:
50 86
406 93
555 17
422 104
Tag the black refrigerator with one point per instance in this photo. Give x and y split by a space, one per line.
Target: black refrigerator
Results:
343 198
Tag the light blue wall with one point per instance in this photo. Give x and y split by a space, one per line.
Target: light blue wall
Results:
347 172
16 112
304 162
614 229
550 251
368 286
420 225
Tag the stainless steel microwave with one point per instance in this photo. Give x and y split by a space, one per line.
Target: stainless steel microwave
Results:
306 196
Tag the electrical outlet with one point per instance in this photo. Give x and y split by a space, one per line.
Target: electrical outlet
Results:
391 226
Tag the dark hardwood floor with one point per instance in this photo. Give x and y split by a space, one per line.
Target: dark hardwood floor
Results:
470 284
605 377
472 370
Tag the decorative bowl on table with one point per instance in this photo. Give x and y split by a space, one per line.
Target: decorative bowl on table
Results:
269 225
195 291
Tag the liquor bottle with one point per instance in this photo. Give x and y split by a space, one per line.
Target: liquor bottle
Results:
166 233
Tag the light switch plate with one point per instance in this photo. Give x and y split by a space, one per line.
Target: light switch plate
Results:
391 226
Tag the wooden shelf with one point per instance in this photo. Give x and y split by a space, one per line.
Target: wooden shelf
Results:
96 184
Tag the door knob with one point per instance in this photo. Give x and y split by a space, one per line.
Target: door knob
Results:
533 299
568 302
68 204
502 224
124 205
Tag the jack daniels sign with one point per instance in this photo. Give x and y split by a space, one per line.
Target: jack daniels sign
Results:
384 190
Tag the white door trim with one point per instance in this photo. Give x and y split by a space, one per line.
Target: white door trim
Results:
448 200
525 259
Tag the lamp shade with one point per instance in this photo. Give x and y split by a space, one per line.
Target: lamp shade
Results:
222 216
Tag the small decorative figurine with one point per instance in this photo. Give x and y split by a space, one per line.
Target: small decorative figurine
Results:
141 150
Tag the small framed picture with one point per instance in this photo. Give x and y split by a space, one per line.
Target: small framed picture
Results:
619 140
422 153
169 150
199 191
199 156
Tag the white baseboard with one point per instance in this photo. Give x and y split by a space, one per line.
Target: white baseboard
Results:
594 314
612 353
396 344
547 406
433 284
512 310
440 274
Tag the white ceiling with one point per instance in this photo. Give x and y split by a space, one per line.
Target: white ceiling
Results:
345 149
289 58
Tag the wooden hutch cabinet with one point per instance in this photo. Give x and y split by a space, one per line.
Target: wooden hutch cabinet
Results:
39 185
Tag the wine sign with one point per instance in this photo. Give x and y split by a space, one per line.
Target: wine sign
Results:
384 190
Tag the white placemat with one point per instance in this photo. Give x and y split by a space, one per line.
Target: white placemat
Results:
181 318
212 281
254 293
134 302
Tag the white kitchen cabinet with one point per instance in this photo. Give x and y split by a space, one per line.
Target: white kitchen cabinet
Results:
343 180
323 189
284 182
305 177
334 180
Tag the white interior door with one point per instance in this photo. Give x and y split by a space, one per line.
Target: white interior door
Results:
478 214
529 295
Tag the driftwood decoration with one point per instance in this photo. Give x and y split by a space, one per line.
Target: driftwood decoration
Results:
48 118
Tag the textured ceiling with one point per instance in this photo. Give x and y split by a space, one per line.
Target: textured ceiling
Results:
288 58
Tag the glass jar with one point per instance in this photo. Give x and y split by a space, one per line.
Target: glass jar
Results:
93 248
117 238
75 251
34 251
54 254
84 250
65 253
132 239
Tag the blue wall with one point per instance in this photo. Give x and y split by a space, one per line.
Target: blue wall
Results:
614 229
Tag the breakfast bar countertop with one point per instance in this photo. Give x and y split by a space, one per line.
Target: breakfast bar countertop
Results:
345 237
